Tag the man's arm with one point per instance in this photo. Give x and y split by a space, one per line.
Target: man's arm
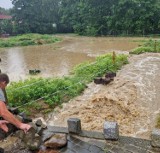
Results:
11 119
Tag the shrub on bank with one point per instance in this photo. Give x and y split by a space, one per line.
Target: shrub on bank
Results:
27 39
149 46
141 50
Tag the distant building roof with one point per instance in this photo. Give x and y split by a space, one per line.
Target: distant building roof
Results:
5 16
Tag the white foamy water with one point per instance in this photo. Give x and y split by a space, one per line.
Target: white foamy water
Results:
144 72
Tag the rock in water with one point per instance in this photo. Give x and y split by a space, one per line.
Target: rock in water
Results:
58 140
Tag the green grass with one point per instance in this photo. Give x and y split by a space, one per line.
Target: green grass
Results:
148 46
27 39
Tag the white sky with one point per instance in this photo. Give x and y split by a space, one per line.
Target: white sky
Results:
6 4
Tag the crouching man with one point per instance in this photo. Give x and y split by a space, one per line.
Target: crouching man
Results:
7 116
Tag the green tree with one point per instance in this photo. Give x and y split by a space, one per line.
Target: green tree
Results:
5 25
36 16
87 17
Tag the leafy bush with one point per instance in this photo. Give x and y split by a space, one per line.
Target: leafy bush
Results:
90 31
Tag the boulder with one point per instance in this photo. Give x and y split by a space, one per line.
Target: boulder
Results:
35 71
110 75
99 80
31 139
58 140
40 122
106 80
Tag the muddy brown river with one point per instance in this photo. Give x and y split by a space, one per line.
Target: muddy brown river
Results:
59 58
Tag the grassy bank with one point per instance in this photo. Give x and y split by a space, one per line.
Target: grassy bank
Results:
55 91
27 39
148 46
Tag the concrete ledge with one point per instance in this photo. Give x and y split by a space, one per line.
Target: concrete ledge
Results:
111 130
83 133
74 125
155 138
127 143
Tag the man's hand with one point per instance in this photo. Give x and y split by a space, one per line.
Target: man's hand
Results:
3 125
25 127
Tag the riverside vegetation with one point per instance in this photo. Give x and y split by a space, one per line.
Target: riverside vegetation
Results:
148 46
55 91
28 39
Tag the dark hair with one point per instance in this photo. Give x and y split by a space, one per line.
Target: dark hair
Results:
4 77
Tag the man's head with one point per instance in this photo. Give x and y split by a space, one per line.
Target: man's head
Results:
4 80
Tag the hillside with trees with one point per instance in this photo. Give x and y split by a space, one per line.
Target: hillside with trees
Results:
86 17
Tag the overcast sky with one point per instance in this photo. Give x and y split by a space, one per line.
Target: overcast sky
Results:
6 4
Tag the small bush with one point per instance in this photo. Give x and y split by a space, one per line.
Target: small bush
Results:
141 50
90 31
149 46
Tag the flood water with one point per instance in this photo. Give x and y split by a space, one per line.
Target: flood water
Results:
58 59
132 99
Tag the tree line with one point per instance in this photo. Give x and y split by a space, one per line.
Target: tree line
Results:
85 17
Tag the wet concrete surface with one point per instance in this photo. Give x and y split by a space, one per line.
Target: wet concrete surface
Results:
124 145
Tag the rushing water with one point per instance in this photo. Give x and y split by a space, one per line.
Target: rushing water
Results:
132 100
58 59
